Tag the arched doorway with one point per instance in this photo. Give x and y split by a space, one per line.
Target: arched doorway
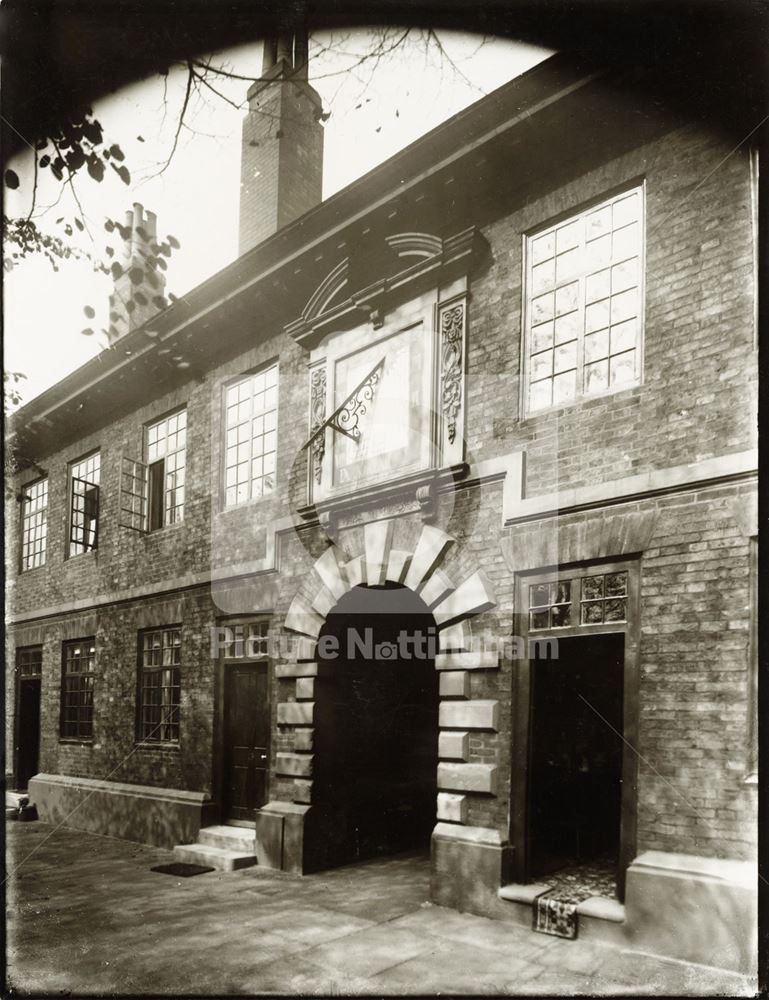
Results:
376 733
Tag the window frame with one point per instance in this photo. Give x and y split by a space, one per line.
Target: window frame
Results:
148 465
525 412
70 501
91 673
225 387
522 688
143 669
575 576
24 500
20 651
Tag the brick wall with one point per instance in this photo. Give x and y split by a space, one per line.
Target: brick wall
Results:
696 401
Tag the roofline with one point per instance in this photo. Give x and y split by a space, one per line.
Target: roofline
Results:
285 245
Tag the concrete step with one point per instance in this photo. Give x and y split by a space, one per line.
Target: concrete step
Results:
213 857
14 800
231 838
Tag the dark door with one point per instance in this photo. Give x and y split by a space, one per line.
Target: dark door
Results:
27 730
246 740
376 733
575 776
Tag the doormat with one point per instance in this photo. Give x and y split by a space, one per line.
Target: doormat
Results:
181 869
555 916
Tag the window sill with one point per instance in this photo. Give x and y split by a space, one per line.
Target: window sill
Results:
163 747
579 401
159 532
72 741
81 555
32 569
245 504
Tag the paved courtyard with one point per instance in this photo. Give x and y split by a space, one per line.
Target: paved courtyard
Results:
87 916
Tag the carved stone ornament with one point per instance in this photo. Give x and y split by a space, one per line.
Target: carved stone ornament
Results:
317 416
452 327
357 405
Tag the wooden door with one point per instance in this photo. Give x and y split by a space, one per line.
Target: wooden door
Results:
27 730
246 740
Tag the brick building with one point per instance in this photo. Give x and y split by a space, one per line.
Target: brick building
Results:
497 395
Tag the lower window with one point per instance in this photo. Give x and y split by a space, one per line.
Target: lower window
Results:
159 685
78 659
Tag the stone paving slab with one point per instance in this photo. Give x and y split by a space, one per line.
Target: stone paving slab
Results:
86 915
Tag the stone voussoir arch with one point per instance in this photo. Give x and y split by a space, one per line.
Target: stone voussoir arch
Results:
451 606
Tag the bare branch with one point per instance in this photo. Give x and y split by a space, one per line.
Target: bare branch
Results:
180 123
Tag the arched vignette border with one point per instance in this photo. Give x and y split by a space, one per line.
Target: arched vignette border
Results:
451 605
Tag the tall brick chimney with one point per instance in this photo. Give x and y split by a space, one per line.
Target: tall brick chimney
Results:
131 303
281 170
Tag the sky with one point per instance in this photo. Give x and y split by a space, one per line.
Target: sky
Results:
377 107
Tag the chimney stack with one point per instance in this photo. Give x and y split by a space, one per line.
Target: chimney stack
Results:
281 172
131 303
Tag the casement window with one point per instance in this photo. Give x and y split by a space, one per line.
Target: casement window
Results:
152 492
84 504
34 524
251 413
159 685
78 660
166 460
583 305
29 661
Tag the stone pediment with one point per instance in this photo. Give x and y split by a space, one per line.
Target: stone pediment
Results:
380 273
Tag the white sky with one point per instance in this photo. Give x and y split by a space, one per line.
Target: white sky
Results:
376 110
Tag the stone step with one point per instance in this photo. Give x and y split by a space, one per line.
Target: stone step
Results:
14 800
232 838
213 857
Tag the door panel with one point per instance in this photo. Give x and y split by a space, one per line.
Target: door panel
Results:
27 730
246 740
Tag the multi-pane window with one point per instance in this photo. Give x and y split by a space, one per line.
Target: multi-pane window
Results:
160 685
34 524
250 641
29 661
584 302
77 689
84 504
250 446
166 458
550 604
589 599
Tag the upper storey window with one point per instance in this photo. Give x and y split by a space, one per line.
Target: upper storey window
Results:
584 303
34 524
251 405
84 504
166 460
